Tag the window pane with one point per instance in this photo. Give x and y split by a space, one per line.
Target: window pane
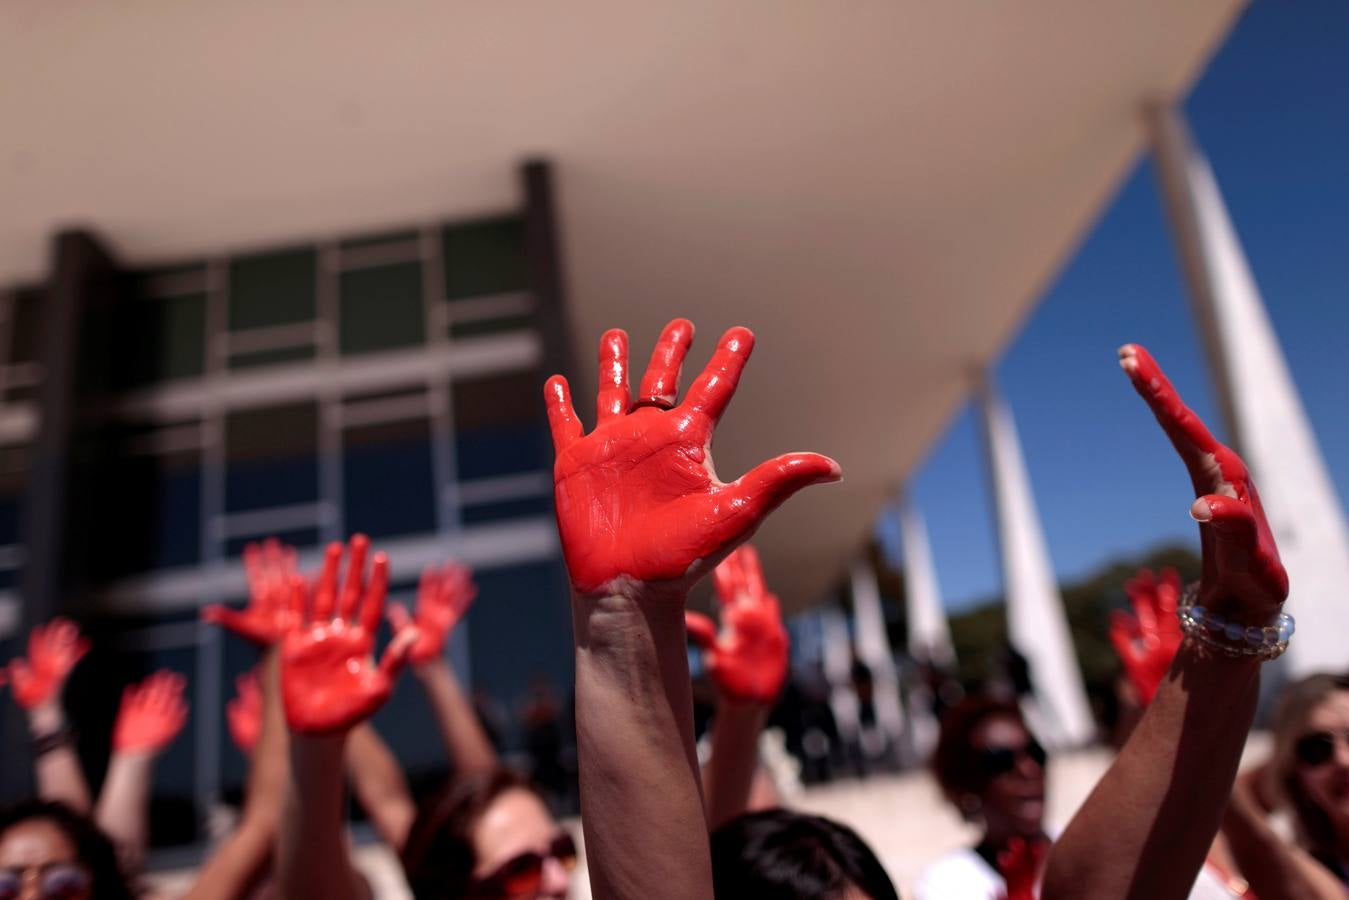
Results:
484 257
388 487
382 308
158 339
276 288
271 357
271 457
499 426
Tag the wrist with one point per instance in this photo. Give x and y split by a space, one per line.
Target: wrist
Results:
45 718
431 668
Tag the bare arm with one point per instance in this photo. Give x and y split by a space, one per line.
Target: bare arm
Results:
312 852
730 772
380 786
465 741
1275 869
57 769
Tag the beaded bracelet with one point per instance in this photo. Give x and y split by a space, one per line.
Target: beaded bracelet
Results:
1212 630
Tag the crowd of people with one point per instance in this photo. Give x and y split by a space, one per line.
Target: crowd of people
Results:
642 517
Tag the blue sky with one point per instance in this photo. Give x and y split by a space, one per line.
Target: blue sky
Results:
1272 114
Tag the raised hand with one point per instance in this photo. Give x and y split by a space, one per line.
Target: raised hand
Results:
1243 578
443 597
243 714
329 680
270 567
638 499
151 715
748 662
1147 640
1019 864
53 650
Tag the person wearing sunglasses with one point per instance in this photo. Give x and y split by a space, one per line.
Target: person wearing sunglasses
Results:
1308 773
992 769
488 835
50 852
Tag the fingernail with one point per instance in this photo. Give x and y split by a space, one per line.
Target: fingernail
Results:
1200 511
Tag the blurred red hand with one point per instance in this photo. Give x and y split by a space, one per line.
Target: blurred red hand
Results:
748 662
152 714
329 680
637 498
1019 864
53 650
443 597
243 714
1243 578
1147 641
268 616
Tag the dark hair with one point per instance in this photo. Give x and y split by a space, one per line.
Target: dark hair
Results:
438 858
782 855
93 848
955 762
1316 832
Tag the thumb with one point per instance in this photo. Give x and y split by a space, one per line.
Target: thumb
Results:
396 654
398 617
768 485
1227 519
218 614
702 630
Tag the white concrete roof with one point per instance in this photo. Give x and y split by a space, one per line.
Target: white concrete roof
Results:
880 189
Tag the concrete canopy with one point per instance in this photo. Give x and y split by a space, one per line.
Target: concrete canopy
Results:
881 190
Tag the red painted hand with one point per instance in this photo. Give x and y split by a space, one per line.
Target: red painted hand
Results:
638 499
329 680
443 597
152 714
1147 640
243 714
748 662
53 650
268 616
1243 578
1019 864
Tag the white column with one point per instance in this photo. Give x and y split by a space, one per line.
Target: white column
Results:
1265 420
836 655
873 648
1036 623
929 632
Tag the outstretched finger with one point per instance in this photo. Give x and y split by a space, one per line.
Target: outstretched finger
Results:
373 609
325 591
1188 433
768 485
660 384
398 616
729 578
396 654
713 389
702 630
354 586
224 616
614 394
752 571
1123 634
562 421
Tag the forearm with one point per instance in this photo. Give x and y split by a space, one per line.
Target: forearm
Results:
57 771
1275 869
1146 827
379 785
269 765
237 865
641 802
735 758
312 858
464 738
123 805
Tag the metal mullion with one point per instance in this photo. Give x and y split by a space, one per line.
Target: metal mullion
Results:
440 401
328 305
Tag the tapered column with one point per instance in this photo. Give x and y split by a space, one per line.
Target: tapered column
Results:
1036 623
873 649
1261 408
929 632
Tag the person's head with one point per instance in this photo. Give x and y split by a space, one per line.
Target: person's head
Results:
488 835
992 768
1311 757
50 852
781 855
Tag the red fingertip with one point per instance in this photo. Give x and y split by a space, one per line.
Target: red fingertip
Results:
701 629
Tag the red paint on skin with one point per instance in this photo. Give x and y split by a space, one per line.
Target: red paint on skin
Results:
1242 575
443 597
1019 864
151 715
748 660
329 680
1147 640
268 616
244 713
637 498
53 651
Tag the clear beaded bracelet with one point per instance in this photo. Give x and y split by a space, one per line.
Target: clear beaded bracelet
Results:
1231 638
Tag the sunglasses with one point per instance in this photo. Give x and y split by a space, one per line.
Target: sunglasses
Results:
1318 748
524 873
56 881
995 761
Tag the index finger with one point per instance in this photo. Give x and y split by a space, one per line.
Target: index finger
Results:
1188 433
325 591
372 609
355 583
712 391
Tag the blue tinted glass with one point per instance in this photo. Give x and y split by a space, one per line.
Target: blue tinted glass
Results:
507 509
502 450
387 483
